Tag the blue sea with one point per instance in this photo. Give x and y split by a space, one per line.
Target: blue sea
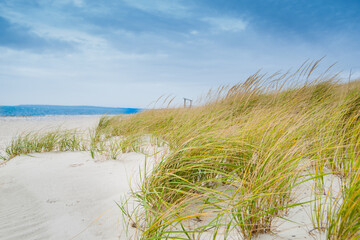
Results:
45 110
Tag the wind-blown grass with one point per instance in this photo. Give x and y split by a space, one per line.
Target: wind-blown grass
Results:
96 142
59 140
234 161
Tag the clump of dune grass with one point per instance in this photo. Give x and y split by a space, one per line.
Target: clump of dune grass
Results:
344 222
103 144
234 162
100 144
58 140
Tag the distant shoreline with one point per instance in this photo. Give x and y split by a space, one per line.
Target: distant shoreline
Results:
54 117
57 110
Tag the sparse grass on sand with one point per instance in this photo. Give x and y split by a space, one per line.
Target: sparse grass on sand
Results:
34 142
234 162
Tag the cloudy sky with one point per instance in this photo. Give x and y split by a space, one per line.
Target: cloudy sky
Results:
127 53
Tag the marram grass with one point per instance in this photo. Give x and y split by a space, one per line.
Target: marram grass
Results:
234 161
58 140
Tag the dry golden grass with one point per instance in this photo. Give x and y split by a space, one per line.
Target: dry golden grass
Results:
234 161
237 158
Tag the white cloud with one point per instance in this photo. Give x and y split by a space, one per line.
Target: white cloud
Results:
83 39
47 30
226 23
79 3
172 7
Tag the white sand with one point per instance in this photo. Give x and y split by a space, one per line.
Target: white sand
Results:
71 196
61 195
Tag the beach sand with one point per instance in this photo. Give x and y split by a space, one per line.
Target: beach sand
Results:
61 195
68 195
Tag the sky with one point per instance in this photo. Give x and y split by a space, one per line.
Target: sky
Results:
128 53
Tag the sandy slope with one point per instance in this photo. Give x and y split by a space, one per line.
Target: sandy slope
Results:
71 196
61 195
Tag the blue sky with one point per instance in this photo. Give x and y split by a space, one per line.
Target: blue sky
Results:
127 53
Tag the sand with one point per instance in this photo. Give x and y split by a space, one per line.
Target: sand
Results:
68 195
61 195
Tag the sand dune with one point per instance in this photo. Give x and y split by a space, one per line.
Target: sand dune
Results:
68 195
61 195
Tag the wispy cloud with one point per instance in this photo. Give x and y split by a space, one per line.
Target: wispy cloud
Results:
37 27
79 3
226 23
170 7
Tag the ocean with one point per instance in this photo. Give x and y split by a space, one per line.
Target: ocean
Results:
46 110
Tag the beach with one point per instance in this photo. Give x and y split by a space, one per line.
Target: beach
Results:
61 195
69 195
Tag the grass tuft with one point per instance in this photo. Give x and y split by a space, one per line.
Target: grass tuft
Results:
44 142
